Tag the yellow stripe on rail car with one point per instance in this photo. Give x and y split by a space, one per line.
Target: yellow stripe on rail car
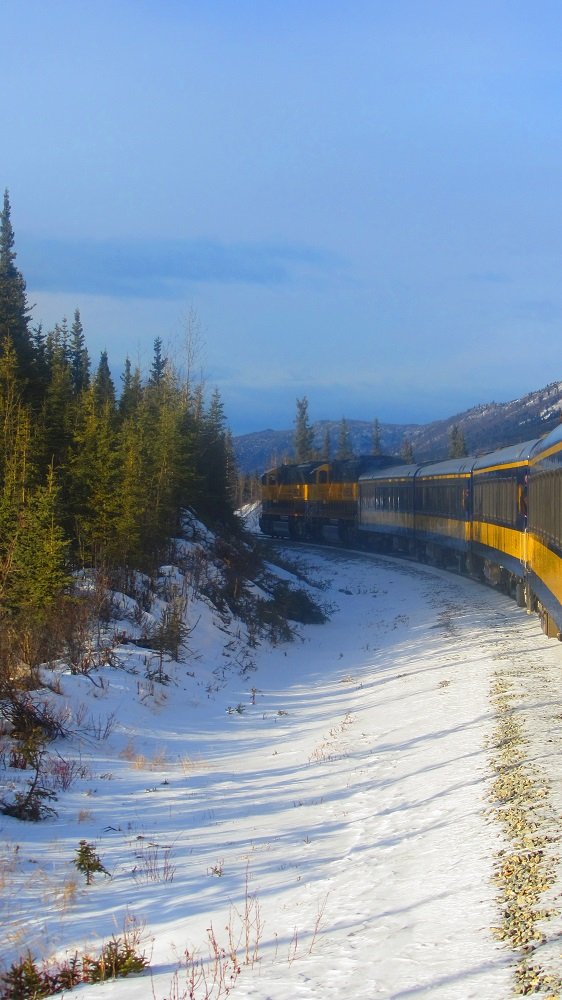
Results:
547 565
330 492
499 468
547 453
497 536
421 478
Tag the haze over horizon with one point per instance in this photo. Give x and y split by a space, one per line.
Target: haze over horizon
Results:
358 205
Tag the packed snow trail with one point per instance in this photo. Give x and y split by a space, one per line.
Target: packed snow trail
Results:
330 810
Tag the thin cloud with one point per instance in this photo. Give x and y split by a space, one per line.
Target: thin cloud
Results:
162 269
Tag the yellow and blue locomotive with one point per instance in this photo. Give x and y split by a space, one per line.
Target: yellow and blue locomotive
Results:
315 500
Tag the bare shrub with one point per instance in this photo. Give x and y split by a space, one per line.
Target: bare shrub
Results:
65 896
153 862
63 772
206 977
100 728
168 636
76 632
213 975
142 763
250 923
8 864
27 715
128 752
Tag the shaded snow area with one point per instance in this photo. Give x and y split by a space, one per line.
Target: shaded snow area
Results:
250 514
324 808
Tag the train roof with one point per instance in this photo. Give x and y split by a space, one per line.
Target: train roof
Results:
340 469
516 454
449 467
391 472
547 442
291 473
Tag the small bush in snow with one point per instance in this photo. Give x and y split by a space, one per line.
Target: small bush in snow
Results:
26 980
88 862
297 605
118 958
23 979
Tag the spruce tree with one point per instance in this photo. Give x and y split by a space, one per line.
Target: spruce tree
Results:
159 364
56 418
376 438
95 480
15 457
407 451
14 309
37 573
132 497
11 406
160 416
345 447
303 438
104 389
131 392
79 359
40 361
457 445
216 461
89 862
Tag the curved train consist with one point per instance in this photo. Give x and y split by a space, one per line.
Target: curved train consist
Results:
496 517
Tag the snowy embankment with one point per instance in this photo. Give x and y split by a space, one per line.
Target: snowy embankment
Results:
324 809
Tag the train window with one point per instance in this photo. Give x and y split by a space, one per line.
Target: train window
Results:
441 499
545 505
496 500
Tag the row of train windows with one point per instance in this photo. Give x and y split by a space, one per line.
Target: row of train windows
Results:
545 506
395 498
446 500
497 501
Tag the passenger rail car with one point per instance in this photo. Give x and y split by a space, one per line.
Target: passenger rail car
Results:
499 511
442 511
497 517
544 529
422 510
386 505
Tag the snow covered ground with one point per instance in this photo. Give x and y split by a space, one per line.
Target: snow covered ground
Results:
327 813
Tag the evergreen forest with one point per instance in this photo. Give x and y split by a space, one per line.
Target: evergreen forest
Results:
92 476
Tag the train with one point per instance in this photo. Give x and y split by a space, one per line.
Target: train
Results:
495 517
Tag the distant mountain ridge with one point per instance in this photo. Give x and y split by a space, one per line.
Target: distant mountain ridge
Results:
485 428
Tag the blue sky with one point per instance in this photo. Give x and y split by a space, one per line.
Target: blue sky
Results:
360 202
